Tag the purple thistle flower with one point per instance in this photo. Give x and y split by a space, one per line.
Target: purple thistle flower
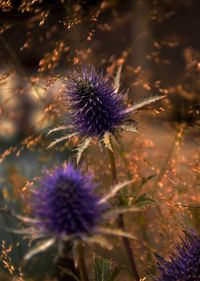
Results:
65 208
184 264
65 203
94 109
95 106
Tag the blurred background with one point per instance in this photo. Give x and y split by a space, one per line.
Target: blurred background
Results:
158 45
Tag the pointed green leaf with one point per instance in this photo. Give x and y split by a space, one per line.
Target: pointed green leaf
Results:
141 184
144 200
104 270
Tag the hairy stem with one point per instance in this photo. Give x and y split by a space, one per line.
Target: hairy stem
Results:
121 224
81 263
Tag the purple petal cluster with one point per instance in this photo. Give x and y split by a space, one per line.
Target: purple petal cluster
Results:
184 264
65 203
95 107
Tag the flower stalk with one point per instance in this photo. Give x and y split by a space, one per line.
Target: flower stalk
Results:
121 223
81 263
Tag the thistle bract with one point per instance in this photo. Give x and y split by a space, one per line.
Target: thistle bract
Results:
95 106
184 265
65 203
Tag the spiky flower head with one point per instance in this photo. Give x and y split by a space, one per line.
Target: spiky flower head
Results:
184 264
65 203
93 108
66 208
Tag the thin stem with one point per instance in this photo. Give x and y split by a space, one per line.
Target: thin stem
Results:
81 263
128 249
121 224
113 166
121 152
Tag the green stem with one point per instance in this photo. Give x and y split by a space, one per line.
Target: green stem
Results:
113 166
81 263
121 224
121 152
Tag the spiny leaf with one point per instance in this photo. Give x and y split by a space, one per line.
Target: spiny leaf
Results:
82 147
117 79
143 104
40 247
106 140
69 273
114 190
129 128
62 139
21 218
60 128
115 232
99 240
117 211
